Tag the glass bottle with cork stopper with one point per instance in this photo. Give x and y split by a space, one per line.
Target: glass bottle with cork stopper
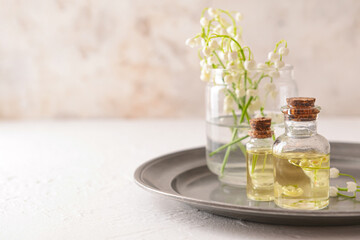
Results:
259 161
301 159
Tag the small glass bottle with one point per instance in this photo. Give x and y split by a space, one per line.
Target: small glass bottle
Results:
301 159
259 163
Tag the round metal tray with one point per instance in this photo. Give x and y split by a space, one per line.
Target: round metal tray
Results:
185 177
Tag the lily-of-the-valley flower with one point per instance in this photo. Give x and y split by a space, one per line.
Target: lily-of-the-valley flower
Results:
334 173
205 75
283 51
274 74
212 12
190 42
279 64
262 66
233 55
351 186
206 51
214 45
240 92
251 92
228 79
333 191
250 65
273 56
204 22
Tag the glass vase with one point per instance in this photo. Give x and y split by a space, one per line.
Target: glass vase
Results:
226 131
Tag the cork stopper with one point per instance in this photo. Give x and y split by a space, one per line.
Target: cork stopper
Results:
260 128
300 109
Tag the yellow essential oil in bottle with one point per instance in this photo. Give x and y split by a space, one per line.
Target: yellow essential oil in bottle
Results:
259 161
301 159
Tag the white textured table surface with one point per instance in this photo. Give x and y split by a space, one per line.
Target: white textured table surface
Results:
74 180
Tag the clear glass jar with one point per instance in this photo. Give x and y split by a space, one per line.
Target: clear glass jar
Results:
259 163
301 161
222 127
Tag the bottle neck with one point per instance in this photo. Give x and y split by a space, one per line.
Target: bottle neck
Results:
300 128
261 142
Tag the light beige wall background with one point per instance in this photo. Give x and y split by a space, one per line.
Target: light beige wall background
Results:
112 58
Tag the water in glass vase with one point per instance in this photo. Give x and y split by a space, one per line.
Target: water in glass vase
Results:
260 179
301 180
221 131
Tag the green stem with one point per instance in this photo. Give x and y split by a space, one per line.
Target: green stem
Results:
347 175
244 110
343 195
231 17
235 99
218 58
253 163
264 163
233 141
236 42
226 157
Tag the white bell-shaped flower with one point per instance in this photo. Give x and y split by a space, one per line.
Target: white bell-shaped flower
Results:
250 65
351 186
274 74
283 51
238 17
333 191
204 22
205 75
334 173
190 42
251 92
228 79
279 64
214 45
213 12
206 51
233 56
240 92
262 66
273 56
230 30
